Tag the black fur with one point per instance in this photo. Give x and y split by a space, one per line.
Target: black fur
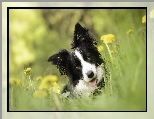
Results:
82 37
68 64
61 60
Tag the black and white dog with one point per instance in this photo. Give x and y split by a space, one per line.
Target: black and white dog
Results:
81 65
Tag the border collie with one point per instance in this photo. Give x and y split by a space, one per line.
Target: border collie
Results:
82 65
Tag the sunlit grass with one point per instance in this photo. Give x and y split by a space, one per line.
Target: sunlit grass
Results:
124 53
125 86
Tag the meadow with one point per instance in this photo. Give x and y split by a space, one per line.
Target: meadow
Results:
35 85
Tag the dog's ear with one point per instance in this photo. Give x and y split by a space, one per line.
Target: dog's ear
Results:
61 60
82 37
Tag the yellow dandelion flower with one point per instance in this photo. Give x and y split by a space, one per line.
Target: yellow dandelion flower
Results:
39 94
109 38
100 48
144 19
53 78
14 81
27 71
152 14
129 32
48 81
38 78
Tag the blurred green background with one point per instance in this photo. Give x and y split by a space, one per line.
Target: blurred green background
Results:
34 35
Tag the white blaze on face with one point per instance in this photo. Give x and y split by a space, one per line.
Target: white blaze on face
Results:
84 87
86 66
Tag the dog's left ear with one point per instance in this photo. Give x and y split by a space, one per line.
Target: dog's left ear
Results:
82 37
61 60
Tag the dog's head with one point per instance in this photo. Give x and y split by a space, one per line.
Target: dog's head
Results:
81 65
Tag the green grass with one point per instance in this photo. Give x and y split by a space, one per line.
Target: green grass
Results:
125 88
47 31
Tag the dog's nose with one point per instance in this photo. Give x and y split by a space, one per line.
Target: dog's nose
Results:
90 74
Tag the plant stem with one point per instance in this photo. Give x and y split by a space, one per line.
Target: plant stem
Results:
108 50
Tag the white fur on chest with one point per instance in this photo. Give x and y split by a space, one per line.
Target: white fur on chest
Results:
83 88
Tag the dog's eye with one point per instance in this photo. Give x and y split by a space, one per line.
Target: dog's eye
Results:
77 67
77 64
88 58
